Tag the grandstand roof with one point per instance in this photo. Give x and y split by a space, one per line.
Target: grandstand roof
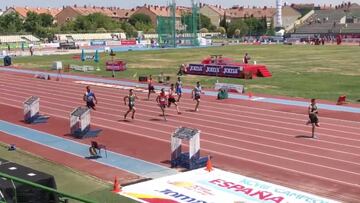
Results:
22 11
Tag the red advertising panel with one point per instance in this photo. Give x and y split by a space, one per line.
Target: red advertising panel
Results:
128 42
116 65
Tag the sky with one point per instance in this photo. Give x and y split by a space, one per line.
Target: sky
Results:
134 3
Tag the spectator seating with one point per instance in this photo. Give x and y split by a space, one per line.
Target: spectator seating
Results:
90 36
18 38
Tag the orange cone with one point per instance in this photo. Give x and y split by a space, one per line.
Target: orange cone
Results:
117 187
209 165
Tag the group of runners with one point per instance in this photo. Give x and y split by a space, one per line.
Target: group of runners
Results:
166 99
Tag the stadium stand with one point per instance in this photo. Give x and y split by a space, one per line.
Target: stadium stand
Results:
18 38
351 28
332 21
319 28
90 36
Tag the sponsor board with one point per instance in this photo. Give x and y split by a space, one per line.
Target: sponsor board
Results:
215 70
50 45
116 65
218 186
97 43
128 42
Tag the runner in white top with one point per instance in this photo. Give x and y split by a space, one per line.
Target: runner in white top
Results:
195 94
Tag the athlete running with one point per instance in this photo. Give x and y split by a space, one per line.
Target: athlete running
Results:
151 88
195 94
89 98
171 98
178 88
162 100
313 117
131 103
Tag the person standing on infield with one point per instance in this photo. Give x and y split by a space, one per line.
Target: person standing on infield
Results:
313 117
89 98
131 103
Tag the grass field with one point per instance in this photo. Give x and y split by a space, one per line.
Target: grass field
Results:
67 180
323 72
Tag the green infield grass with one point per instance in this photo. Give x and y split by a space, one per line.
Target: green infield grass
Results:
324 72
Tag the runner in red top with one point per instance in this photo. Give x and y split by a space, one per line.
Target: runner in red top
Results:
151 88
172 98
162 101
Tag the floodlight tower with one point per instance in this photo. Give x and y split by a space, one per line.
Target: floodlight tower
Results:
278 14
279 23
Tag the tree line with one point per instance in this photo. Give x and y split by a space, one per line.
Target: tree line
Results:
43 25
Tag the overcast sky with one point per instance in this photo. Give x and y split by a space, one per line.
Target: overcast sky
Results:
133 3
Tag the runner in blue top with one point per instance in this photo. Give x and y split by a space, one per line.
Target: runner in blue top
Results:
195 94
131 102
178 88
89 98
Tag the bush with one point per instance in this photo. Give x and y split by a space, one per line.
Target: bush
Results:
101 30
221 30
204 30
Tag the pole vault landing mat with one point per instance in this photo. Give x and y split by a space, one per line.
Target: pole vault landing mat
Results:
215 187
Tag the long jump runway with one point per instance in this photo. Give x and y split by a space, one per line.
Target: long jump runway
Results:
264 141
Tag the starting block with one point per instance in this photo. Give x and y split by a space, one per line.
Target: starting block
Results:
31 111
80 123
341 100
190 160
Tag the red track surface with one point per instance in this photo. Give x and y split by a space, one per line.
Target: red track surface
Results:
252 138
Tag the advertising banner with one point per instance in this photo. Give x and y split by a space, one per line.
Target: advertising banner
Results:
128 42
115 65
232 70
195 69
97 43
215 70
217 186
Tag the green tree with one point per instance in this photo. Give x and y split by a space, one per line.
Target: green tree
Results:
224 23
205 22
140 18
221 30
101 30
129 29
257 27
237 24
46 20
143 26
237 33
91 23
204 30
151 31
32 22
10 23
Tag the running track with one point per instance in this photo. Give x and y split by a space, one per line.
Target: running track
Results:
252 138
